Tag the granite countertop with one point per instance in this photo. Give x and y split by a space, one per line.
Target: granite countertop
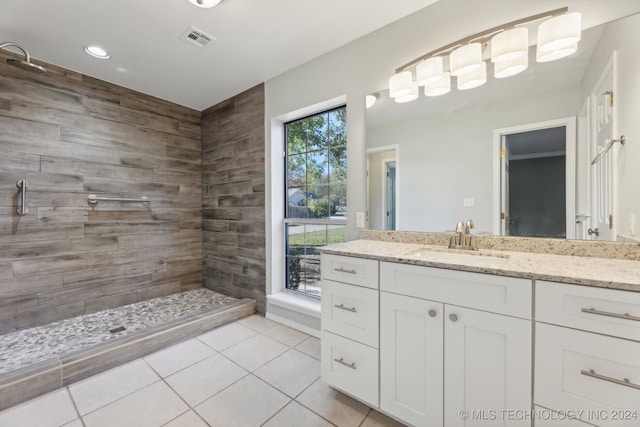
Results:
600 272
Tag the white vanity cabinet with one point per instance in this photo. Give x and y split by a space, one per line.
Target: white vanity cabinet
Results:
453 341
350 333
587 356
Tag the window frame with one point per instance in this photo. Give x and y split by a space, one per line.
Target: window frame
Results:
328 221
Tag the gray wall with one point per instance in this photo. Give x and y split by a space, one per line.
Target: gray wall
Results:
234 196
71 135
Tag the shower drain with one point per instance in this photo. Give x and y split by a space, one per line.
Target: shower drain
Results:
118 329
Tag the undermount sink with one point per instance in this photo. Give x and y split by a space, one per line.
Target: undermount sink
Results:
429 251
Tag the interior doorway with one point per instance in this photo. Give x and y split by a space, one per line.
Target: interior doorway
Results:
535 200
535 182
383 174
390 194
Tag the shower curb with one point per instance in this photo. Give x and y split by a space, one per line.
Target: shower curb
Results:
27 383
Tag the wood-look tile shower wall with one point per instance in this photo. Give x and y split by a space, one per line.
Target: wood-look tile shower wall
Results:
69 136
233 178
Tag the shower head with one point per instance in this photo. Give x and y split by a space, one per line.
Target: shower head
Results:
24 64
28 66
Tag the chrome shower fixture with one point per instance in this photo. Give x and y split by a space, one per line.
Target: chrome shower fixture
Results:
25 63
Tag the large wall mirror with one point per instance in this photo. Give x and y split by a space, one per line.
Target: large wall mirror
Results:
515 154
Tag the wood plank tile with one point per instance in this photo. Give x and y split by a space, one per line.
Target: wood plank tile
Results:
16 161
153 135
30 285
36 249
14 127
98 170
71 135
135 267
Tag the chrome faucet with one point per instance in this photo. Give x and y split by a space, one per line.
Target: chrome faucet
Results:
462 239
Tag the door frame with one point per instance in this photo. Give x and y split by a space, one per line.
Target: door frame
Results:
570 168
396 149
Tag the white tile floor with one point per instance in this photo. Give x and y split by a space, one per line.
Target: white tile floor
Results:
251 372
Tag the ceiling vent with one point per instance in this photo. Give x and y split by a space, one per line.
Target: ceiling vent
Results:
196 37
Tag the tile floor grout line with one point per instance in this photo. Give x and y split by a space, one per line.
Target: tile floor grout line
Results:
181 369
365 417
279 391
75 406
260 366
186 412
121 397
310 409
227 348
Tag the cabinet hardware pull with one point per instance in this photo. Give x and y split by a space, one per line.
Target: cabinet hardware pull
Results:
348 365
432 313
344 270
22 208
625 382
453 317
342 307
626 316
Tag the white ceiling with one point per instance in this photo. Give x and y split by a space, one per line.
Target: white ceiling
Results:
256 39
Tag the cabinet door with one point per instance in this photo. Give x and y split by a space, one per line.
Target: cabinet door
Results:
411 359
487 367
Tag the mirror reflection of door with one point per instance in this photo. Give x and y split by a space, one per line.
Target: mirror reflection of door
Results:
603 185
382 188
534 176
390 194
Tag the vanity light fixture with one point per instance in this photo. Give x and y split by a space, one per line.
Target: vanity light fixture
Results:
400 84
465 59
205 3
510 44
97 52
475 78
429 71
506 46
511 67
409 96
439 87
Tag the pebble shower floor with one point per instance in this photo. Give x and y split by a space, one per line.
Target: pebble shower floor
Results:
34 345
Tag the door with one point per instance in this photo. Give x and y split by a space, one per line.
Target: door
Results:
487 367
390 195
411 359
603 173
504 187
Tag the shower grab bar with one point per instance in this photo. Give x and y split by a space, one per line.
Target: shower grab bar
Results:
93 199
22 199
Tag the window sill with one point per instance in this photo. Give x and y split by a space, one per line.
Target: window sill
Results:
295 302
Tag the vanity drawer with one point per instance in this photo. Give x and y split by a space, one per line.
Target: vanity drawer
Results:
607 311
350 311
356 271
350 367
584 371
496 294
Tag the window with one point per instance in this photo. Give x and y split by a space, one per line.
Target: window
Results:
316 194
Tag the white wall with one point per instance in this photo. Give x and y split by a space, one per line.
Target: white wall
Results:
623 36
448 157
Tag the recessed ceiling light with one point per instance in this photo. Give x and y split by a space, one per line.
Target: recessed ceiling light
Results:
97 52
205 3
